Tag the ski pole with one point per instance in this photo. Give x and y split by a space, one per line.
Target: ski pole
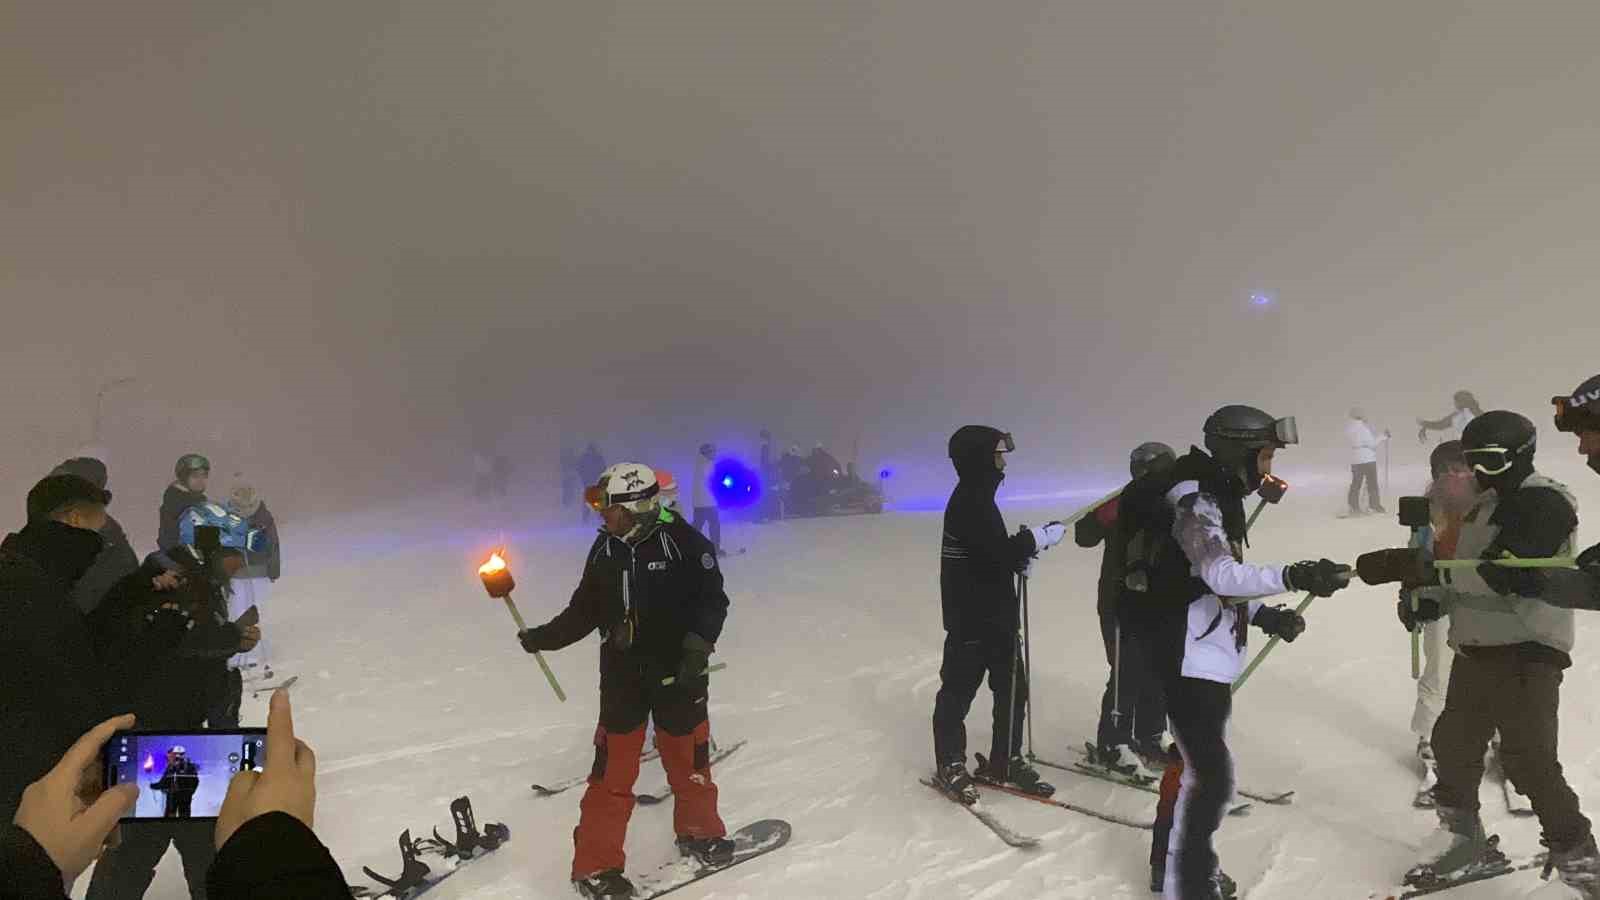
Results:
1416 641
1011 707
1255 514
1069 520
1510 562
1255 663
497 580
1027 664
673 679
1116 678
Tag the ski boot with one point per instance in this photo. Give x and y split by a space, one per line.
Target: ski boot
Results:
1223 887
1459 843
1425 753
1578 865
607 885
716 851
1018 774
1158 877
956 781
1122 760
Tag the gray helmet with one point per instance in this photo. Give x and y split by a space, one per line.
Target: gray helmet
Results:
1151 456
1235 434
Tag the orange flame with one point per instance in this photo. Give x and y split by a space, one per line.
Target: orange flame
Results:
493 566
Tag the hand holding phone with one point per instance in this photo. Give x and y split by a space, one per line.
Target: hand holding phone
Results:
70 825
182 774
287 784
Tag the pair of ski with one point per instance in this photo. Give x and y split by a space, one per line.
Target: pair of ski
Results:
1010 835
417 877
1492 864
1148 784
718 754
269 688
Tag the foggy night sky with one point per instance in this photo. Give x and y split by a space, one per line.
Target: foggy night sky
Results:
342 245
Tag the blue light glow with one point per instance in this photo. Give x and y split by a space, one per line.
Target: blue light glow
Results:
1260 299
733 484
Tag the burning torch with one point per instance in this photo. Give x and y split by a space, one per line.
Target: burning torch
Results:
498 582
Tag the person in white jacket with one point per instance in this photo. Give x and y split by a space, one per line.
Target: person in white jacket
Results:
1364 441
707 518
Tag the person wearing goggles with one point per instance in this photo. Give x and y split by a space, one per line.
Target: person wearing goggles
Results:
1512 643
191 474
1577 414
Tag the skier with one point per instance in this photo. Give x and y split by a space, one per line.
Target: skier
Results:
191 473
1465 409
1190 524
117 560
253 586
652 587
1133 713
1364 442
979 562
1579 414
179 781
1510 653
707 518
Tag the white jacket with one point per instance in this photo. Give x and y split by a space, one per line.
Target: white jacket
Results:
1211 648
702 483
1363 440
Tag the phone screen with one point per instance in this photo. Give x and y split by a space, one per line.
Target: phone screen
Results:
181 774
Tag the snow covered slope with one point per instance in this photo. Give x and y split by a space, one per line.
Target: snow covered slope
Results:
413 691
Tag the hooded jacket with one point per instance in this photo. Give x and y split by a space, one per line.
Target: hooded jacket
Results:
978 559
51 684
173 503
117 559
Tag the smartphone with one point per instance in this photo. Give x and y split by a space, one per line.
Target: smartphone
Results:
1414 512
181 774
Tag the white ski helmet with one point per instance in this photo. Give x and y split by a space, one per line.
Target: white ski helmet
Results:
632 486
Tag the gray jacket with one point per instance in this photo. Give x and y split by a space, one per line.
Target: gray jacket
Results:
1479 617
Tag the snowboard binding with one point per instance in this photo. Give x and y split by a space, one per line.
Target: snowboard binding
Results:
469 840
413 874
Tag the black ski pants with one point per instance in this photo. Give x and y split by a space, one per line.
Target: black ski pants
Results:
1367 472
967 659
1199 711
125 871
1518 693
1133 709
708 521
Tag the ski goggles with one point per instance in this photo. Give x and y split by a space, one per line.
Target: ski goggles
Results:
1006 444
1573 417
599 499
1284 432
1495 460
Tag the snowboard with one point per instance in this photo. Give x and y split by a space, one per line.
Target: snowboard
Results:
749 842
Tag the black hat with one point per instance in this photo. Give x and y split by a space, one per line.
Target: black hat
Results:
86 467
55 491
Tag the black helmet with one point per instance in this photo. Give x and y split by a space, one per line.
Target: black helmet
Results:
1499 447
1150 456
1235 435
190 463
1580 410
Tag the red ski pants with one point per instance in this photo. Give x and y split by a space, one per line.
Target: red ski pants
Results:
683 735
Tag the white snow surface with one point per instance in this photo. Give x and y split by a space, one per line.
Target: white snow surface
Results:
413 691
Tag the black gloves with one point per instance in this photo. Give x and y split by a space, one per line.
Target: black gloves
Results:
1428 610
696 658
534 639
1506 580
1280 621
1323 577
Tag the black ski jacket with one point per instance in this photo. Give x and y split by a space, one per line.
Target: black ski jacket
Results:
113 564
173 503
1101 525
51 683
644 596
270 564
978 559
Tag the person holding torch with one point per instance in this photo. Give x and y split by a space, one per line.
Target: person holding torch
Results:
652 587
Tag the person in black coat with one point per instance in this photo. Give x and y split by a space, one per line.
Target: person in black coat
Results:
51 688
117 559
192 473
178 693
979 564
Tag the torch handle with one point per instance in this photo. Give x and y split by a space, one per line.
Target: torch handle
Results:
548 675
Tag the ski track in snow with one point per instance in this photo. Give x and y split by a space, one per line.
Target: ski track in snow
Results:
413 691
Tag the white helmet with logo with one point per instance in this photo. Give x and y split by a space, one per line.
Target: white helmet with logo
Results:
632 486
